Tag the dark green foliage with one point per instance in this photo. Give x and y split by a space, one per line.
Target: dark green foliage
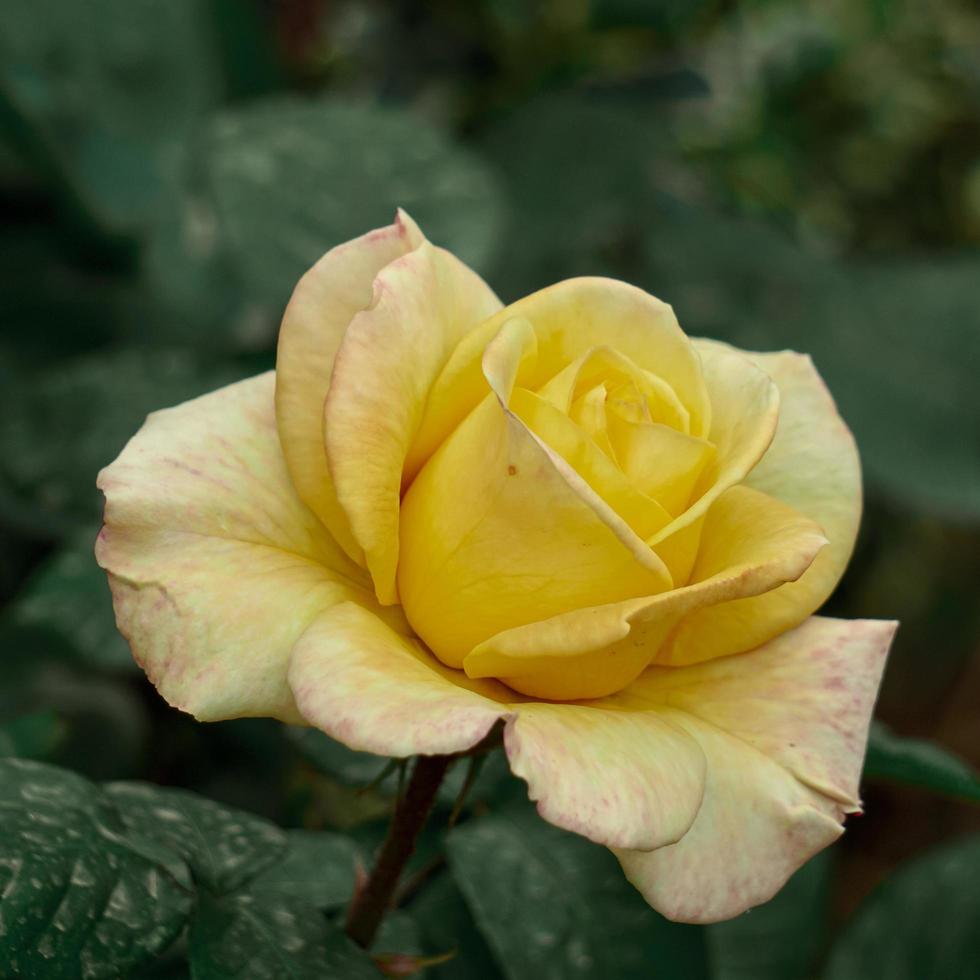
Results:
921 924
552 905
918 762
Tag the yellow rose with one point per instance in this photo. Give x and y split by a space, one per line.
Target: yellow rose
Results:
564 514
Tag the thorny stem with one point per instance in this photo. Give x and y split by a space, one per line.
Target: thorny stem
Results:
374 899
376 896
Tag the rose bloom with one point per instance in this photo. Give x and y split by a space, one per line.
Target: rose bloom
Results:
439 513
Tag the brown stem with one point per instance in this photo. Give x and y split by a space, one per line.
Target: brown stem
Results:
374 899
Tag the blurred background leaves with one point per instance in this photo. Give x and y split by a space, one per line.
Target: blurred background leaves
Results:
785 173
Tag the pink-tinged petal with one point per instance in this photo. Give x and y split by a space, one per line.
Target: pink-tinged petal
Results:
620 778
804 698
378 691
322 306
216 565
813 466
751 544
784 730
756 826
392 352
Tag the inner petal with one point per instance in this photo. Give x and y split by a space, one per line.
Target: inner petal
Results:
588 411
662 463
603 365
557 431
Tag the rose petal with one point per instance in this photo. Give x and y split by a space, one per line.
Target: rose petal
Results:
813 466
744 414
756 826
322 306
215 563
605 365
803 698
392 352
560 434
377 691
497 531
569 319
784 730
622 779
751 544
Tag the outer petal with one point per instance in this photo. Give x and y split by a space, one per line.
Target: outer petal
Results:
377 691
623 779
569 319
813 466
423 304
784 730
751 544
322 306
216 565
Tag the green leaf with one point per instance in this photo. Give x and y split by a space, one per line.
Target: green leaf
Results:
780 940
31 736
224 848
919 924
918 762
447 925
317 869
249 937
553 905
69 595
103 95
80 895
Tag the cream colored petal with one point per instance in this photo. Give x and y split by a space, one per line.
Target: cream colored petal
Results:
756 826
215 563
619 778
569 319
803 699
497 531
784 729
391 354
322 306
813 466
751 544
377 691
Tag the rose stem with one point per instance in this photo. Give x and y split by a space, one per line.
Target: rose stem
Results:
374 899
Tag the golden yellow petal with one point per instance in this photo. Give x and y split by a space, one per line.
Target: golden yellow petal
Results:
570 319
750 545
498 532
